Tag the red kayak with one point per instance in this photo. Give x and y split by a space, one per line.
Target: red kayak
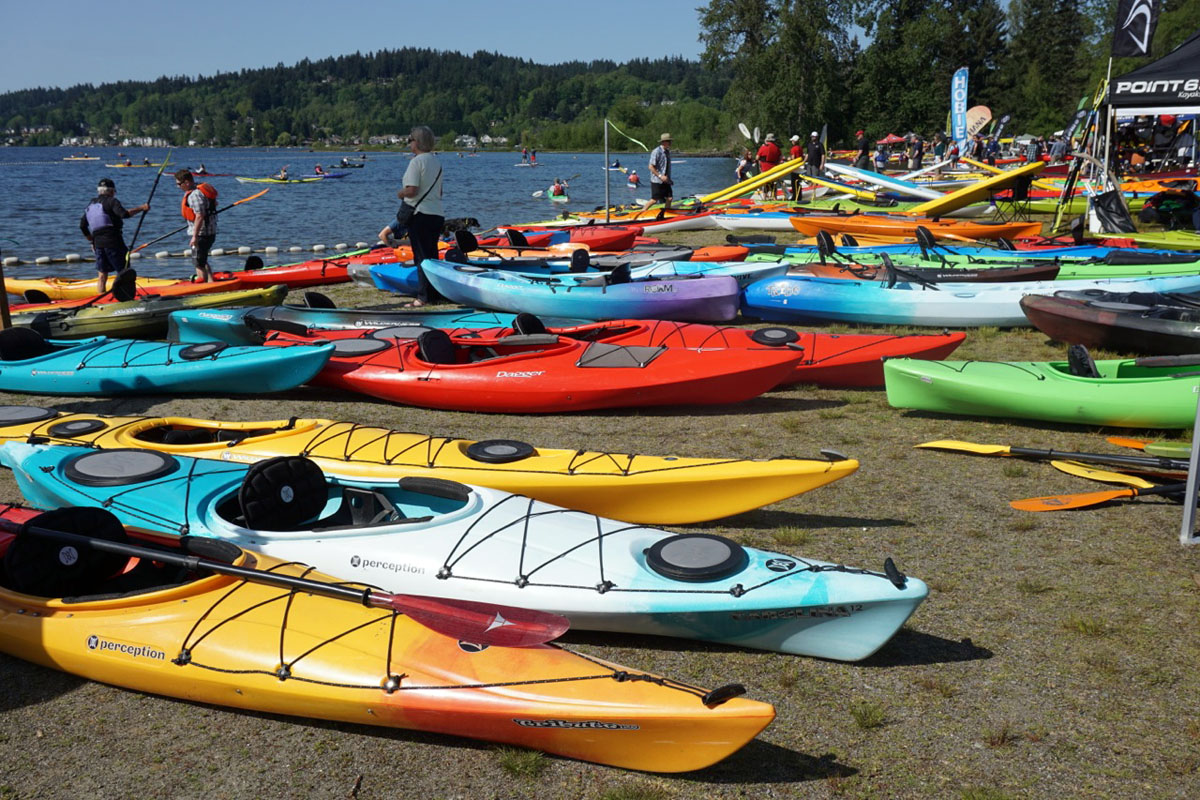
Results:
539 373
314 272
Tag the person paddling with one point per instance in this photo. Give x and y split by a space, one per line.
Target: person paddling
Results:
559 189
101 224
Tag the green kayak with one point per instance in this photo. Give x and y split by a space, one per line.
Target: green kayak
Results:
1156 392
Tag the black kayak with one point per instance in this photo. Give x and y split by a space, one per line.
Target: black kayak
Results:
1136 322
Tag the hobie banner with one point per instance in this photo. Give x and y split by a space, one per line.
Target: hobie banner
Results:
1134 29
958 106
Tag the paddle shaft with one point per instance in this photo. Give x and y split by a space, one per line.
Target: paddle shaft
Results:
185 227
166 160
481 623
1102 458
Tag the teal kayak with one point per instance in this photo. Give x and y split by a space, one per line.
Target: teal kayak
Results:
1155 392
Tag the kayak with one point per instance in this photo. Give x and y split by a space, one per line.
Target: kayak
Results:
37 299
535 374
1154 324
85 289
458 541
657 490
1046 271
104 366
811 224
143 318
314 272
203 636
600 297
797 298
1127 393
242 179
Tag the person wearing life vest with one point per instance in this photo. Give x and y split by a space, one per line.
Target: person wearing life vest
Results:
559 188
633 177
199 208
101 224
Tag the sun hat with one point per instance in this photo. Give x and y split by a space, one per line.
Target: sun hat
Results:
666 137
770 137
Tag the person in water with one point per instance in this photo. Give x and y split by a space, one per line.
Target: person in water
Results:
633 177
101 224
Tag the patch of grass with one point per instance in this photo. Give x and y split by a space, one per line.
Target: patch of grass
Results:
831 413
937 686
983 793
1001 736
868 715
943 585
1014 469
1088 626
521 763
1024 524
1027 586
636 791
791 536
796 424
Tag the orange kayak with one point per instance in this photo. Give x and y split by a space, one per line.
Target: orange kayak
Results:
901 225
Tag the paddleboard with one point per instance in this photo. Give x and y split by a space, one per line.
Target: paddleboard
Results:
997 171
978 191
755 181
898 185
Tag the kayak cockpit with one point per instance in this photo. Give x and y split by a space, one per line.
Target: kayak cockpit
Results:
26 344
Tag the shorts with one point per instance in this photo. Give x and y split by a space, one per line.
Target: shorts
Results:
661 191
200 251
110 259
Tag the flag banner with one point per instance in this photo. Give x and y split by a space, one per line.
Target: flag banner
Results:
1000 126
958 106
1134 29
977 117
1069 133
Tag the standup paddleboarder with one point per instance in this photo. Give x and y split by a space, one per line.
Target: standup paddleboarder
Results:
101 223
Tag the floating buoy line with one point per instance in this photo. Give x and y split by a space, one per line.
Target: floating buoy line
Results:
244 250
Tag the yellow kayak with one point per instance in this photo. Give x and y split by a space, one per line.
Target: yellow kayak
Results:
205 636
71 289
653 490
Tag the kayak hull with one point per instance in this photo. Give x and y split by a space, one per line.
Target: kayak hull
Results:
1149 324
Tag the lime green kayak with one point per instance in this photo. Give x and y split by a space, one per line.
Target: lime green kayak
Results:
1170 240
1155 392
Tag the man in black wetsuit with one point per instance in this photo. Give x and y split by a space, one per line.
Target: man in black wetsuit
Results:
101 223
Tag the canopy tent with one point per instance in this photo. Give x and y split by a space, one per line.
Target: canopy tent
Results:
891 138
1169 85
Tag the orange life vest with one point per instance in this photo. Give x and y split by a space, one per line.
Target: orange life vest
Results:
205 189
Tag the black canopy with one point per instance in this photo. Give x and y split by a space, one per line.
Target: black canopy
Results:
1169 85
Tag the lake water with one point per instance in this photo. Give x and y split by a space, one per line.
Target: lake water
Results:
47 196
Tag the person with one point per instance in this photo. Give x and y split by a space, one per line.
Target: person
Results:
814 159
199 208
634 180
863 160
559 189
768 158
977 147
794 153
532 157
202 170
881 157
1058 150
1033 151
991 150
129 162
423 186
744 165
318 170
146 162
101 224
345 161
953 155
661 185
524 154
939 149
916 152
616 164
282 175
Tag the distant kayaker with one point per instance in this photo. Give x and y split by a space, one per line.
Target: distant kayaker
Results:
616 164
559 188
199 208
282 175
633 178
146 162
318 170
345 161
129 162
201 170
101 224
661 185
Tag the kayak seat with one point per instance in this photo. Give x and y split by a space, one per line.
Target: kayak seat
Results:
434 347
1080 363
526 323
466 241
21 344
46 567
281 494
516 238
620 274
580 261
318 300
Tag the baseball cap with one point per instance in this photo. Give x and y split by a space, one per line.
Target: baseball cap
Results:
859 133
106 183
795 137
814 133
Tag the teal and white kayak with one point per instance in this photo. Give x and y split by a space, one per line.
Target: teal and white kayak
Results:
101 366
796 298
445 539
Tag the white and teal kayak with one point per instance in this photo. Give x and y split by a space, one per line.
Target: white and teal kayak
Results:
441 538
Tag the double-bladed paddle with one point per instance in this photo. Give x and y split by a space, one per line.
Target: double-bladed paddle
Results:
184 228
1154 448
1102 475
1152 462
465 620
1063 502
166 160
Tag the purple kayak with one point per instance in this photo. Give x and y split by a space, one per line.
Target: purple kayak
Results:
592 295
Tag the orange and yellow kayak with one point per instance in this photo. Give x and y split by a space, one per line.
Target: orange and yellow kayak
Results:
904 225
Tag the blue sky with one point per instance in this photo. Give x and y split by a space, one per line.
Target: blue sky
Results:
64 43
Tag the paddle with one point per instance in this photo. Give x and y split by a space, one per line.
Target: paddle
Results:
166 160
1167 449
745 131
465 620
1157 462
1062 502
1102 475
184 228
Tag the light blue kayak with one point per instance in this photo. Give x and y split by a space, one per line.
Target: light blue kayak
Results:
436 537
601 296
101 366
796 298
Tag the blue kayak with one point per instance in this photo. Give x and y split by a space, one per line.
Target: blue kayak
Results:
102 366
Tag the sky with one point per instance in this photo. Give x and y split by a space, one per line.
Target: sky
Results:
59 44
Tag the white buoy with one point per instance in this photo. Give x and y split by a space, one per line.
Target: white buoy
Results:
295 249
136 254
360 245
11 261
318 248
217 251
162 254
244 250
42 260
271 250
341 246
187 253
72 257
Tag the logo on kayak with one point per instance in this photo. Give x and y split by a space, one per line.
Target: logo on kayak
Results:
472 647
780 565
389 566
659 288
525 374
592 724
782 289
94 642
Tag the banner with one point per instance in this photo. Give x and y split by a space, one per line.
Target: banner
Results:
958 106
1069 133
999 131
1134 29
977 117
